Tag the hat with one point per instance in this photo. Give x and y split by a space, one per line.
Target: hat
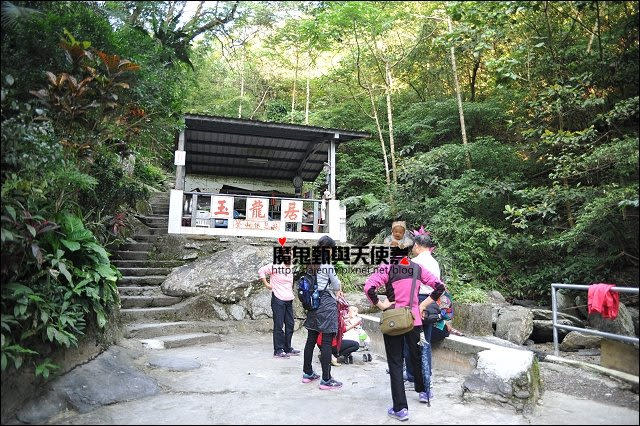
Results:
401 223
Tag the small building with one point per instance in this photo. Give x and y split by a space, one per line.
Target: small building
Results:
239 177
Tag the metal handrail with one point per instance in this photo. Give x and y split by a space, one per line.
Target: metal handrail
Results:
556 326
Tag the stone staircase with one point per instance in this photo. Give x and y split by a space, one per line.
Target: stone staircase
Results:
150 316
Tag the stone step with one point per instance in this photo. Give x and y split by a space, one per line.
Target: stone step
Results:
155 329
155 230
152 290
131 255
141 281
148 263
148 301
145 238
137 246
143 271
166 313
181 340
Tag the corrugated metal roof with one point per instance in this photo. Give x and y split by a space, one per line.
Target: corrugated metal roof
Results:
237 147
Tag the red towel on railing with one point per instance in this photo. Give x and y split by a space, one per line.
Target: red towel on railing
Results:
603 301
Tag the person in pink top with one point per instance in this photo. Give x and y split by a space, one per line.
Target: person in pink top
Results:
397 281
281 285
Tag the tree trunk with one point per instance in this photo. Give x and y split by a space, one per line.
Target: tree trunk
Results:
241 89
374 110
306 107
474 75
293 92
389 87
459 97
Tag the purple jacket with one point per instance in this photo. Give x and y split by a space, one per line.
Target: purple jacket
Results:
398 279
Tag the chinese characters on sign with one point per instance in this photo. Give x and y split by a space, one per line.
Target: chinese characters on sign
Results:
291 211
352 255
257 209
222 207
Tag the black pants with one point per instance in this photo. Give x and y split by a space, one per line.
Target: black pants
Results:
347 348
325 353
282 314
393 346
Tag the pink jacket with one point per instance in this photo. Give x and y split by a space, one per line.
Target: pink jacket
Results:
397 280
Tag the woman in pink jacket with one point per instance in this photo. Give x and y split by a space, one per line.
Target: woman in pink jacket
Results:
398 280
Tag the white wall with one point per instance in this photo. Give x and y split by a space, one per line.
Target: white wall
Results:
213 183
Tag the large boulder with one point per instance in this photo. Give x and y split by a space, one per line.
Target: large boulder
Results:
623 324
259 304
634 317
473 318
545 314
229 275
565 303
236 311
515 324
576 340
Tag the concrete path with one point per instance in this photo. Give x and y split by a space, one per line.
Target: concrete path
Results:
237 381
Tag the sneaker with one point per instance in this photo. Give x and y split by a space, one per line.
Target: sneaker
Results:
402 415
306 378
424 398
369 357
330 384
364 357
350 359
281 354
293 352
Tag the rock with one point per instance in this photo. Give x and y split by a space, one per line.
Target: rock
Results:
565 303
528 342
473 318
259 304
107 379
545 314
190 256
228 275
505 376
543 330
220 311
360 301
581 304
46 406
623 324
515 324
172 363
634 318
298 310
525 302
576 340
495 297
237 312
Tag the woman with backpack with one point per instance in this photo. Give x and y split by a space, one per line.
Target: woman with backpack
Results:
401 288
324 319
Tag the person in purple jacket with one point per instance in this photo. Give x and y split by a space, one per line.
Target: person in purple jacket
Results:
397 280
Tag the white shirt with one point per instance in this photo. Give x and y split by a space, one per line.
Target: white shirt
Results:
427 261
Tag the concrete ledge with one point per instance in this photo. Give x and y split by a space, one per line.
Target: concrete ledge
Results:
629 378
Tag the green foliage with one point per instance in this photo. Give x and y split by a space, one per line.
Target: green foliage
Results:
63 279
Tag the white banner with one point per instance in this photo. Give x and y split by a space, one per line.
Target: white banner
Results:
258 209
180 158
291 211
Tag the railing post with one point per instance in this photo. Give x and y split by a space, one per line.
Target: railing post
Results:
176 203
554 311
180 161
194 209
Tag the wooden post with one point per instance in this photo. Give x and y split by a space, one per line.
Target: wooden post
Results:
180 169
332 165
194 209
